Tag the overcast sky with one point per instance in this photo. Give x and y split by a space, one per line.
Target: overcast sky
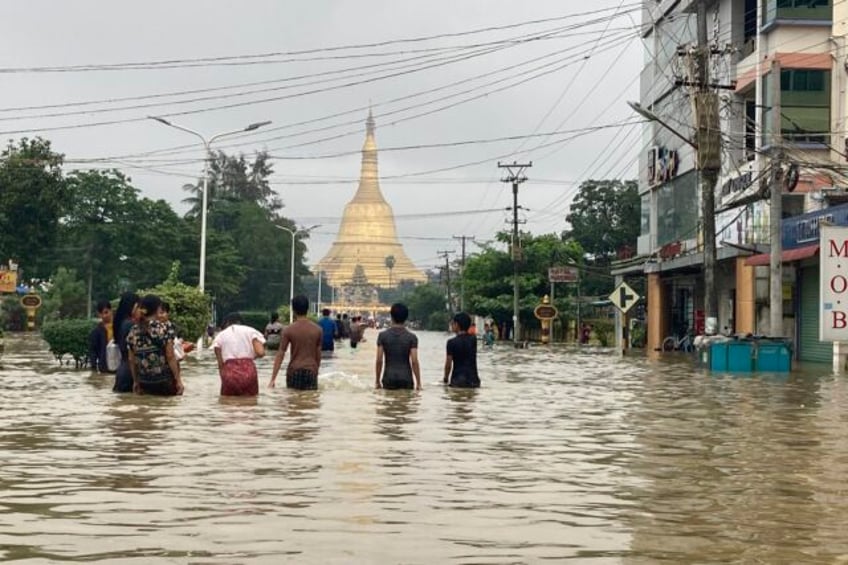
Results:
579 70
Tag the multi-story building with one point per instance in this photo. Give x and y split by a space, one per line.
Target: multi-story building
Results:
773 65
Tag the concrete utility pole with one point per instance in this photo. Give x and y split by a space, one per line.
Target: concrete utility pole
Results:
708 141
776 213
463 239
447 277
515 177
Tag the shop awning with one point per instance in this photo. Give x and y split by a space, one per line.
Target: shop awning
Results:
787 256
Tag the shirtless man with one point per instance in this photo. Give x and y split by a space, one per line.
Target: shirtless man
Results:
304 337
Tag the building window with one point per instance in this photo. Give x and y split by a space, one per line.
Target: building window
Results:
645 214
798 10
677 209
804 106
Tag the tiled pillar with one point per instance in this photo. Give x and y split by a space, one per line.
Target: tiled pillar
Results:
746 288
656 313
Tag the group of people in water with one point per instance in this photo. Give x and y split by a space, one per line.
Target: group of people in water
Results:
148 351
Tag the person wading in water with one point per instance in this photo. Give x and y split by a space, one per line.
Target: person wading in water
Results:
236 346
153 364
399 347
304 336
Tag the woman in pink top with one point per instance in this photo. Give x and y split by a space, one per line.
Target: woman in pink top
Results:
236 346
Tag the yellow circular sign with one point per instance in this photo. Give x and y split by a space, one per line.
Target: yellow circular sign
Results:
31 301
546 312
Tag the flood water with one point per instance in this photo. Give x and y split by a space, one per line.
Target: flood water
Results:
562 455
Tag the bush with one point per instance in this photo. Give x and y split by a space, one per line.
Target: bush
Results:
69 337
438 321
190 310
256 319
604 331
67 298
12 314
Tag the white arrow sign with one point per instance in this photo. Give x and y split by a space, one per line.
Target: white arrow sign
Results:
624 297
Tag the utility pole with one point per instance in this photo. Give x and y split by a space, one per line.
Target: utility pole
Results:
515 177
776 213
708 141
447 277
463 239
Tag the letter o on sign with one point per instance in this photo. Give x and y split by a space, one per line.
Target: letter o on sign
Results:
839 284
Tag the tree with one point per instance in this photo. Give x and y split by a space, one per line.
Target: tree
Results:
32 191
605 217
390 265
96 231
426 303
66 297
489 276
233 178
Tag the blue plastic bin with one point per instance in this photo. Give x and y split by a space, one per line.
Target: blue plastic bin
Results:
740 356
774 356
718 356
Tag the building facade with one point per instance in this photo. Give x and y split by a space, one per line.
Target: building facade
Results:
779 69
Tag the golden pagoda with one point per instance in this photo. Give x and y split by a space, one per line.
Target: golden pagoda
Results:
367 237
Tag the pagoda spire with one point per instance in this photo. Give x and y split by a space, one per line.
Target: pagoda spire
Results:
369 176
367 234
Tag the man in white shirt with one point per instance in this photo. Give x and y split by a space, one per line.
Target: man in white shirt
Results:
236 346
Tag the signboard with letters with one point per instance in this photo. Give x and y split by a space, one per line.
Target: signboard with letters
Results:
563 274
833 275
662 165
8 281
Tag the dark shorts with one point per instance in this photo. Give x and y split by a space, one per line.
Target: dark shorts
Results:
161 388
123 378
353 344
464 382
302 379
395 382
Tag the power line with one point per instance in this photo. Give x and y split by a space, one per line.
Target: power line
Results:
171 63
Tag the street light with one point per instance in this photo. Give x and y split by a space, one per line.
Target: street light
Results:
207 147
293 234
650 116
205 199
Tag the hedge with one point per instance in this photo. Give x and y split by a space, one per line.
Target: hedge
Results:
69 337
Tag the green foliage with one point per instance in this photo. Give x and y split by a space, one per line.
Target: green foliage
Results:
69 338
438 321
605 218
283 311
67 297
256 319
489 276
604 331
12 314
425 301
190 309
32 192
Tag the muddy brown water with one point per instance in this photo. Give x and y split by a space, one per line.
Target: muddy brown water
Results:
562 455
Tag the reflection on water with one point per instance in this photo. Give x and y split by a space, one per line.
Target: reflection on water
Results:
562 454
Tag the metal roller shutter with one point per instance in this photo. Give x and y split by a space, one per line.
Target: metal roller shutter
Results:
811 349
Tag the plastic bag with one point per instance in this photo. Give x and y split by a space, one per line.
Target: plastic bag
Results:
113 356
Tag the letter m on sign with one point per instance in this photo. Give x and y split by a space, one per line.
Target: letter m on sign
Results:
833 290
838 248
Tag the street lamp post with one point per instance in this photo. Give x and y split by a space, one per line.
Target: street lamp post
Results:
293 233
207 143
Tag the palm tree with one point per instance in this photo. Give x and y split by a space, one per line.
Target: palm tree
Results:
390 264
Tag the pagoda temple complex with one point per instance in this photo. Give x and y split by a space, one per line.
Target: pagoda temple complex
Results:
366 249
